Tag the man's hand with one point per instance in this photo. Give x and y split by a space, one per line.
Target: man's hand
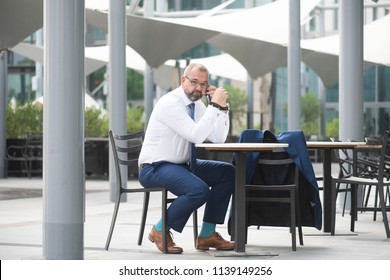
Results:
218 95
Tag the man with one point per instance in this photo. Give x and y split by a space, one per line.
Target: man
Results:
165 157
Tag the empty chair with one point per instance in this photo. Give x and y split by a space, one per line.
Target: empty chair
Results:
379 179
368 157
29 155
126 149
345 169
345 162
276 182
34 153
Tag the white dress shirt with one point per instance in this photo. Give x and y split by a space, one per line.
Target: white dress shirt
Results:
171 130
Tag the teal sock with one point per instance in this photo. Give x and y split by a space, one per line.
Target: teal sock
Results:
207 229
158 226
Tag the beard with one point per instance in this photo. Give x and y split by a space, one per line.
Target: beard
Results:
194 95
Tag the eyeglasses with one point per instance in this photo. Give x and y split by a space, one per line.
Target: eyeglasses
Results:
195 83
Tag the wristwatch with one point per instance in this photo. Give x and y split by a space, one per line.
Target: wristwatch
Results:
220 107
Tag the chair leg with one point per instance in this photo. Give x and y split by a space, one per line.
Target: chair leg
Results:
375 203
345 200
383 209
233 220
293 218
246 223
114 215
164 220
333 209
367 196
143 218
298 216
353 206
195 225
29 168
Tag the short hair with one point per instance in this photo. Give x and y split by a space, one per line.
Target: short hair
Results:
196 66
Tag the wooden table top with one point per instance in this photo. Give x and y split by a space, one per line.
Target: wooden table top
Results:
241 146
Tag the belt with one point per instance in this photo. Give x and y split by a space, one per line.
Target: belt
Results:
142 165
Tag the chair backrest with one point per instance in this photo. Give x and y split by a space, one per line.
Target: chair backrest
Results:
34 146
344 159
125 149
377 166
279 167
274 169
384 162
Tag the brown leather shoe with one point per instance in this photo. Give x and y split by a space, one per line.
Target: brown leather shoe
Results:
215 240
156 237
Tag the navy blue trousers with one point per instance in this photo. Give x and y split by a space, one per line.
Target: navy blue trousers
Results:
211 182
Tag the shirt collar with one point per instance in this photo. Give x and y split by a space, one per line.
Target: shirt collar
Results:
184 97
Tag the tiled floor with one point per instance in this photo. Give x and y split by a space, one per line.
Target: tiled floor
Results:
21 226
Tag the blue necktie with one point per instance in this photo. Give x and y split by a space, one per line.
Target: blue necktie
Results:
193 149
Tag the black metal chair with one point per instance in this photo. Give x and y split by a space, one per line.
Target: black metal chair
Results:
345 161
29 155
345 169
379 179
126 149
276 181
368 157
34 152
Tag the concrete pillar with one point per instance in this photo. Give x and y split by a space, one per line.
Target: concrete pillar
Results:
148 75
294 67
351 70
249 84
321 87
351 94
39 67
63 130
249 93
117 81
3 106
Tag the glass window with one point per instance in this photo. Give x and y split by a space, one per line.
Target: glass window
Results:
369 84
384 84
332 94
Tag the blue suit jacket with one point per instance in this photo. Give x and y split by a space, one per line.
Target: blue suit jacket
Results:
298 151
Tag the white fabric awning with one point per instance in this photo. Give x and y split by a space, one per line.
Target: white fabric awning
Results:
165 76
33 52
18 20
376 42
256 37
154 40
322 54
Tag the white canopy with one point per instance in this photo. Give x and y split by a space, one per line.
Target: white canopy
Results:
154 40
35 53
322 54
256 37
376 42
165 76
19 19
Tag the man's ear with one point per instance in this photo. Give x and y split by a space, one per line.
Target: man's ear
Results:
182 79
